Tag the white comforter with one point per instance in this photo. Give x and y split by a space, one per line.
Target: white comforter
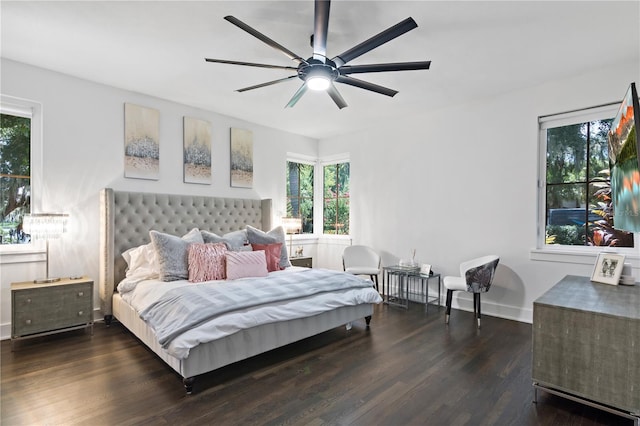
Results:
141 294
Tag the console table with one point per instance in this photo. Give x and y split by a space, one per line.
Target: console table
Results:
586 344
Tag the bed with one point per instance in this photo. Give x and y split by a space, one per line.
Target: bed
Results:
126 219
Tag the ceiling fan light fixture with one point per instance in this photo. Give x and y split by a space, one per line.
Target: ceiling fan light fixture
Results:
318 82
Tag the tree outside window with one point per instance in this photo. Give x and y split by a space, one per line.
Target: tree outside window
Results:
15 177
578 189
336 199
300 193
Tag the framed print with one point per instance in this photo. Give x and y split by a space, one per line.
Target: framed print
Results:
608 268
141 142
197 151
241 158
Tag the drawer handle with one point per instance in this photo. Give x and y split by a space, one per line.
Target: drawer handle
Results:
28 322
28 300
80 313
80 293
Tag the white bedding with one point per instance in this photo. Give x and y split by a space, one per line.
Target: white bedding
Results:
141 293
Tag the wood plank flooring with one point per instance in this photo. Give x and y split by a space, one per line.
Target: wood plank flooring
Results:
409 368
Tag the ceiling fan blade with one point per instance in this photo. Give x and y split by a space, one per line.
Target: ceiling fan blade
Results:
366 85
397 66
268 83
375 41
250 64
321 29
238 23
296 96
335 95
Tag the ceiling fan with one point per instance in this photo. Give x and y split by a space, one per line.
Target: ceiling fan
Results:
319 72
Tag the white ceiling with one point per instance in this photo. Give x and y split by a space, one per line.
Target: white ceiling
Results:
477 49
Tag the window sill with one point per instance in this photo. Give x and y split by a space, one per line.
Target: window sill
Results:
22 253
583 256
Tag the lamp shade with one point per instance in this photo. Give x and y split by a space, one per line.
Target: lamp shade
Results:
292 225
45 226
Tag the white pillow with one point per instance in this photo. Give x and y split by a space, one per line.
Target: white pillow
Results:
142 262
243 264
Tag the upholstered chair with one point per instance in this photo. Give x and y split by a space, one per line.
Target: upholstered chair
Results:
361 260
476 276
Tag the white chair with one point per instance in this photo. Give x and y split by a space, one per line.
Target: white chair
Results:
476 276
361 260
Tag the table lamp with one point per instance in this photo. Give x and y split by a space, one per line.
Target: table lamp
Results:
291 225
45 226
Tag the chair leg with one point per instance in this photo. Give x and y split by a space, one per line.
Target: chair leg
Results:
374 278
476 307
449 297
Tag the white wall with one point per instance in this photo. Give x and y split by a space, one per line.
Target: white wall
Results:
452 184
461 182
83 152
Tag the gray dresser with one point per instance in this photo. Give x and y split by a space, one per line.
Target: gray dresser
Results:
39 309
586 343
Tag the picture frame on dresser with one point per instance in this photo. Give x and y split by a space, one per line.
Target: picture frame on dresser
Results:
608 268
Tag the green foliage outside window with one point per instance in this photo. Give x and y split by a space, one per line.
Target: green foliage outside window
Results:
336 199
15 173
577 174
300 193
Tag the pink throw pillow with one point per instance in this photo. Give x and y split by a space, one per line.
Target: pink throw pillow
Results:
272 252
242 264
207 262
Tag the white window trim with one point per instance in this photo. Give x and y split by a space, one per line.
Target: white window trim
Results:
30 109
571 254
313 161
319 192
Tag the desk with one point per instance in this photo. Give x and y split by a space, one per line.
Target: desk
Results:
405 282
586 341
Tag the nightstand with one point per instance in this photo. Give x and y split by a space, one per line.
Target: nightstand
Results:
41 309
304 261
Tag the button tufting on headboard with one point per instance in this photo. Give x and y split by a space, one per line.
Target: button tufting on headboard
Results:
127 217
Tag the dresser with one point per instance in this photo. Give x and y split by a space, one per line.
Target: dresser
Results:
586 344
40 309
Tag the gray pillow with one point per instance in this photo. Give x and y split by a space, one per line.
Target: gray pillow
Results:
173 253
235 240
276 235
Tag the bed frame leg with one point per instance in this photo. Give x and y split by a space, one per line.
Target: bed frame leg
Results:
188 384
368 320
108 319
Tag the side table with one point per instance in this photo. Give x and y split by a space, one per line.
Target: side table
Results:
407 282
304 261
47 308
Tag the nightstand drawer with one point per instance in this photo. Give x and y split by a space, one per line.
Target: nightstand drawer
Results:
43 308
305 262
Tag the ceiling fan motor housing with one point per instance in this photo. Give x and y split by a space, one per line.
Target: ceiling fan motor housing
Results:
317 68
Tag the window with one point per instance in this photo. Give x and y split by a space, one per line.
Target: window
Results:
15 176
300 178
577 190
336 199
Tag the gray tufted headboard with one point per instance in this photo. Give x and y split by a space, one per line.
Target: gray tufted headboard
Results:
127 217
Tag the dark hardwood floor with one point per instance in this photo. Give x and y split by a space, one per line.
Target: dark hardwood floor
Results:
408 369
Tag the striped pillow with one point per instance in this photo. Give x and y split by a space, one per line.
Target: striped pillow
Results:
207 262
242 264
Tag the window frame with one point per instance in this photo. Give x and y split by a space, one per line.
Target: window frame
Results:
33 110
329 161
304 159
572 253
